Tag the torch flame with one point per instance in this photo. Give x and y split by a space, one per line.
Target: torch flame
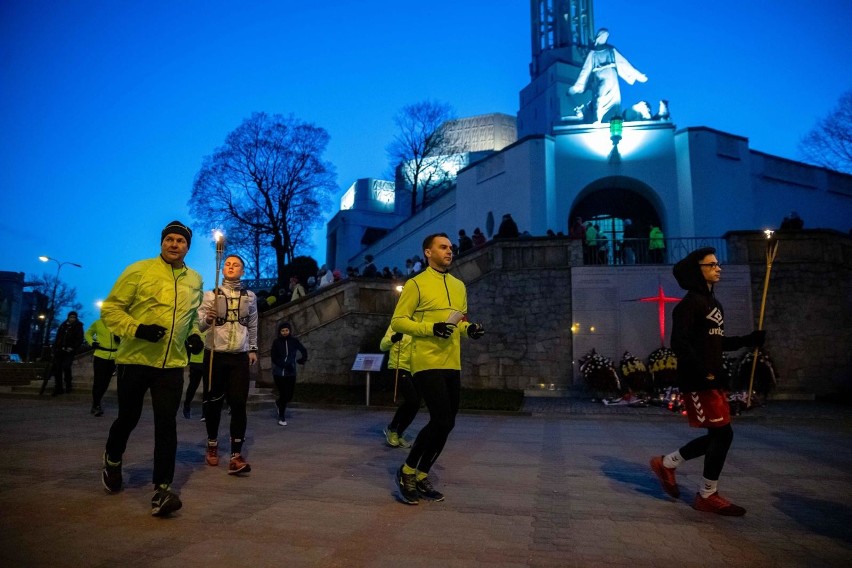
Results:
220 241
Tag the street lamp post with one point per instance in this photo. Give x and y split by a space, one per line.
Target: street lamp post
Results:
52 309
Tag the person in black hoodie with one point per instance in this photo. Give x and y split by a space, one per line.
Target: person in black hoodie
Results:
698 340
283 355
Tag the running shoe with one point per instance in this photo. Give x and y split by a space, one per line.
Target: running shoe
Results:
111 476
164 502
391 438
238 465
426 490
212 457
715 503
407 484
666 475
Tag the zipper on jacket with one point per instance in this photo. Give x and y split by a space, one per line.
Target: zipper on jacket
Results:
174 315
449 300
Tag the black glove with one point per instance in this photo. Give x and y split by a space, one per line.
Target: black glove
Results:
475 330
194 344
96 345
443 329
755 338
302 360
396 337
152 332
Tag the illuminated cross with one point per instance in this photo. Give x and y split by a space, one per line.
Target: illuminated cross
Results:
661 299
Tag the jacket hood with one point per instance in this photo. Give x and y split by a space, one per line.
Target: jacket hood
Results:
688 273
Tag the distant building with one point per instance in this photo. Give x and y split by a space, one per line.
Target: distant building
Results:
371 208
20 325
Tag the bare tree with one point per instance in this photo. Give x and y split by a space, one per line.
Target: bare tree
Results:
64 301
829 143
421 147
270 179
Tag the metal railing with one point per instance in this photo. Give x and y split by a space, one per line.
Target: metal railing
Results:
639 251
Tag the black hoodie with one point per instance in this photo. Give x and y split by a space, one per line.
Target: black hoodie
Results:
698 330
284 351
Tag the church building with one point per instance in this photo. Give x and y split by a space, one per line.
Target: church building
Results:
578 149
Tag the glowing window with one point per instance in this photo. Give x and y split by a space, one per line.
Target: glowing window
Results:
383 192
348 199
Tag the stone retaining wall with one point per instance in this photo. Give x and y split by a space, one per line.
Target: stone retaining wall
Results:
521 291
808 314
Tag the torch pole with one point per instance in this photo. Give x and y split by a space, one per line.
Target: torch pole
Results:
395 382
771 251
220 251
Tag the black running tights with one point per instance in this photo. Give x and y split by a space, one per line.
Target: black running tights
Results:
406 412
714 447
440 389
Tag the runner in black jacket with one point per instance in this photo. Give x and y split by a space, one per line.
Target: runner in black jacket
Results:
698 340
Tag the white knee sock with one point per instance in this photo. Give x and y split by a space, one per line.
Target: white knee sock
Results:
673 460
707 487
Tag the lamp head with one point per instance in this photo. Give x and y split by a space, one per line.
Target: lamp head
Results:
616 126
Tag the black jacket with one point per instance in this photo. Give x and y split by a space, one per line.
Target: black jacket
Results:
698 330
69 336
283 354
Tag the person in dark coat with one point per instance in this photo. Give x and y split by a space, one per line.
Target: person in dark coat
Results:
508 228
465 242
69 338
478 237
286 353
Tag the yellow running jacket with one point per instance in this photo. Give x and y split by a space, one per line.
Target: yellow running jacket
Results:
151 292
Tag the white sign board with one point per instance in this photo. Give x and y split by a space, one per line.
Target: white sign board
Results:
368 362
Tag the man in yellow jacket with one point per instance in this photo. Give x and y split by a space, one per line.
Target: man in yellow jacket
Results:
105 344
432 306
152 307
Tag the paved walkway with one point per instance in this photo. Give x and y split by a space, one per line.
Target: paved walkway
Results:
557 487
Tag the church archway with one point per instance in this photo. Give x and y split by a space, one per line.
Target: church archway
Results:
622 208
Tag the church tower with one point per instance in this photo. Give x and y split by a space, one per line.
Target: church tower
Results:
562 31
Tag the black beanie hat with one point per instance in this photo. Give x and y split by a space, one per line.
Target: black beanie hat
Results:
177 228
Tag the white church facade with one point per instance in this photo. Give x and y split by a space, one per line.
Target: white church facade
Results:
586 155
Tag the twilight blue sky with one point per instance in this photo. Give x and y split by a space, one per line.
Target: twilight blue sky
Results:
107 107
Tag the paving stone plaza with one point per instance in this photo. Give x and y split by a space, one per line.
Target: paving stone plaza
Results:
564 483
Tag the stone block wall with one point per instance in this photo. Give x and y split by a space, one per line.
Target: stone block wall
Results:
808 314
521 291
334 325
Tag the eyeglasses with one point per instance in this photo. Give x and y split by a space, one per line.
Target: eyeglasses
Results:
711 264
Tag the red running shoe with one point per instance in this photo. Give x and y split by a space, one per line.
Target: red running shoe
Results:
212 457
717 504
666 475
238 465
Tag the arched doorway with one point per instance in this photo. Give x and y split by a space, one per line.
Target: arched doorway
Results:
623 215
